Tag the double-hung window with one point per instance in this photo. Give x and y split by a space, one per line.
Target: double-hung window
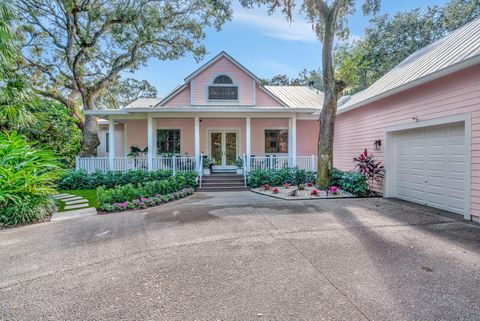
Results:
276 141
168 141
223 89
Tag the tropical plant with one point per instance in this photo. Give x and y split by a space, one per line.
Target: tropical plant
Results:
351 182
239 163
136 151
207 162
27 178
366 164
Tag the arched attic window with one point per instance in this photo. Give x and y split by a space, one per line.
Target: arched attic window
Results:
222 89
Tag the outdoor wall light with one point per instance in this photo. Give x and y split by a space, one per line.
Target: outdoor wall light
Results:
377 144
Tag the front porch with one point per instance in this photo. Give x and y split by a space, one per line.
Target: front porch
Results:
179 142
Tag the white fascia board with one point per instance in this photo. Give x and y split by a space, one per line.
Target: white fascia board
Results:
420 81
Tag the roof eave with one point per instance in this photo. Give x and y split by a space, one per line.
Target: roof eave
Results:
433 76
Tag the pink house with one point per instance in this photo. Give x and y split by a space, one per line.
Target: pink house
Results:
221 111
423 120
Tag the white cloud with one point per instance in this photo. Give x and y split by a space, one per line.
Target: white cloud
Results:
277 26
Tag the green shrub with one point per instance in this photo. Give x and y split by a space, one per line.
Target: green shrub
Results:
77 180
293 176
131 192
27 178
351 182
30 209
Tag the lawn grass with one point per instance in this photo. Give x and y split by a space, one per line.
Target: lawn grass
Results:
88 194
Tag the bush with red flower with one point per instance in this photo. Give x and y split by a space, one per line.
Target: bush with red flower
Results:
334 190
275 190
310 184
315 192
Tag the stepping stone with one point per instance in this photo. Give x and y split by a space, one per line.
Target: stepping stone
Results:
71 199
71 207
61 195
76 202
73 214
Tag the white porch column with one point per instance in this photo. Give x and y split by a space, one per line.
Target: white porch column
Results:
151 126
111 144
292 129
248 143
197 143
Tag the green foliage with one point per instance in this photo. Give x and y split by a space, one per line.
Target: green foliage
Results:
292 176
27 177
146 202
29 209
390 39
306 77
131 192
8 50
351 182
121 92
80 180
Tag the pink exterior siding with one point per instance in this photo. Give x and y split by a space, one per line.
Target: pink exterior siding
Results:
458 93
223 66
265 100
307 137
181 99
136 134
119 140
186 126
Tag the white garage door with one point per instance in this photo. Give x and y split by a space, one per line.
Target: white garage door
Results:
429 167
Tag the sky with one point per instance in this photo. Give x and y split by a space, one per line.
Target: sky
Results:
267 45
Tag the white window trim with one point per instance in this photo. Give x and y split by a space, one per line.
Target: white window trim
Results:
222 101
389 149
275 128
167 128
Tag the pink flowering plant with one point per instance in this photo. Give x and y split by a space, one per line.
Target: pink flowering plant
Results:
310 184
334 190
275 190
286 185
266 187
315 192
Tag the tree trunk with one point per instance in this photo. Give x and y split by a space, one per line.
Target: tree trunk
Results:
90 130
328 113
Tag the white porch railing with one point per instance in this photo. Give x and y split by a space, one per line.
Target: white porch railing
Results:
279 162
189 163
124 164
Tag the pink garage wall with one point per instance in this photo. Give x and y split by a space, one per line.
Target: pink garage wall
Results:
213 123
119 140
458 93
307 137
187 128
220 67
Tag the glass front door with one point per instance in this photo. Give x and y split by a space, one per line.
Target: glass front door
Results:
223 148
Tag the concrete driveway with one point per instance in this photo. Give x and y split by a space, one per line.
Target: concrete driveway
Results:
243 256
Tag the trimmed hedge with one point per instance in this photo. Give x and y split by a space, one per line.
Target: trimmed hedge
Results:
131 192
352 182
293 176
78 180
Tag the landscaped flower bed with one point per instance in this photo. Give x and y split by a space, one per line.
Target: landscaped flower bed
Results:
129 197
296 192
145 202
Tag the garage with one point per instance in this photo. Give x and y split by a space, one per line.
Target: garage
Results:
430 166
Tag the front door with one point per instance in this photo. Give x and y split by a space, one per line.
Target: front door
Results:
223 149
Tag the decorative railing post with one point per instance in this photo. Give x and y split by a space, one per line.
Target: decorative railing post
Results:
174 165
271 162
313 163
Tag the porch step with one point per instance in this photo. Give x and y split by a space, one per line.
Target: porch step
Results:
226 184
222 179
222 189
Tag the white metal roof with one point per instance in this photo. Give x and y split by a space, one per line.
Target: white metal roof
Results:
298 96
460 49
143 103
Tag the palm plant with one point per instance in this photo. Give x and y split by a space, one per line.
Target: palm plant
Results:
27 178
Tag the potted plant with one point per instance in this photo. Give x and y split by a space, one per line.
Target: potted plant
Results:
239 164
207 166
